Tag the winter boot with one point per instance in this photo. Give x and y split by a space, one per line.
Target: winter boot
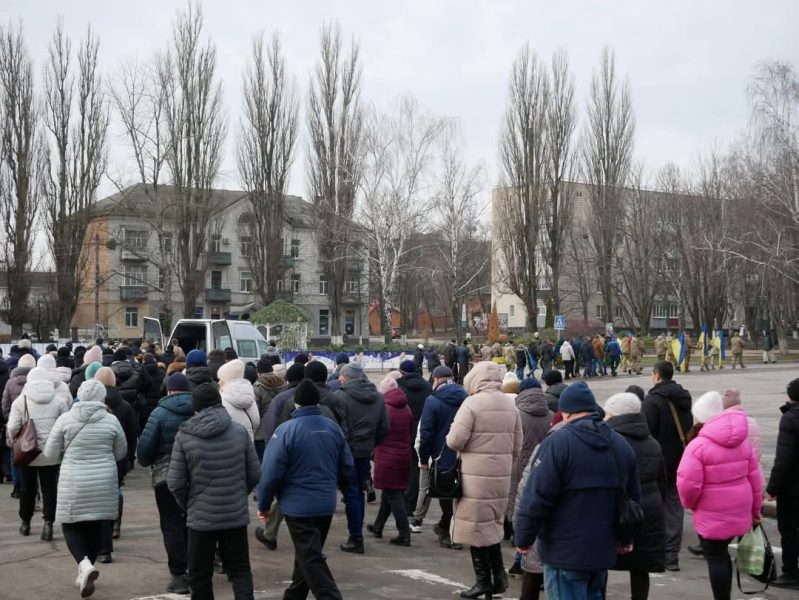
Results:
445 541
401 540
481 561
500 577
376 530
178 585
353 545
47 532
25 528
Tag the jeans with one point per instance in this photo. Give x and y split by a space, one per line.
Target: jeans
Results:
30 479
412 491
719 567
520 373
235 555
173 530
354 500
311 573
673 513
391 502
598 366
614 365
788 526
422 501
83 539
563 584
533 366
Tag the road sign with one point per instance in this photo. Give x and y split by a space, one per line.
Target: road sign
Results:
560 322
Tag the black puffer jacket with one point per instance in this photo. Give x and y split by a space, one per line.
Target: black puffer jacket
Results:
661 421
417 389
212 471
367 418
784 480
128 383
649 551
130 425
198 376
553 396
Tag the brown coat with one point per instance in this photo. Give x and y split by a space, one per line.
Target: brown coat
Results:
737 345
487 432
599 347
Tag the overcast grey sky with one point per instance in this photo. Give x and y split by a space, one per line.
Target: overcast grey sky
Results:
688 61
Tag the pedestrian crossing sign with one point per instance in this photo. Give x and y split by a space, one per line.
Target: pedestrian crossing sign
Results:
560 322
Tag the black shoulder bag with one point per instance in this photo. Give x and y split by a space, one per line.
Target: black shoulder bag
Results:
629 514
445 483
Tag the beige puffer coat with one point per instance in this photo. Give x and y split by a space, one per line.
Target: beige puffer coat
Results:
487 432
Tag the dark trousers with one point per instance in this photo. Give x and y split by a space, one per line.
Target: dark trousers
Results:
311 573
719 567
173 529
412 491
235 554
446 514
353 497
83 539
639 585
391 502
463 370
788 526
30 479
568 365
260 448
107 535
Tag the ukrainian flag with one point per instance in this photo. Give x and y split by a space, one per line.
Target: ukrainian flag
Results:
718 342
678 348
703 341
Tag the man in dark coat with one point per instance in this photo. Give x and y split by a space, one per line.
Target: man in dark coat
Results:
367 426
463 361
784 486
667 409
417 389
565 482
451 357
623 412
418 358
212 471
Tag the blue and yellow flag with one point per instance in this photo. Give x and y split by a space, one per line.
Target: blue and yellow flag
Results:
678 348
718 343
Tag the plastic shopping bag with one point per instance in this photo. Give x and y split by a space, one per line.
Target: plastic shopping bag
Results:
751 555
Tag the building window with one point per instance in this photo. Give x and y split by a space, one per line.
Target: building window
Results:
511 311
295 283
658 311
323 285
161 279
136 240
324 321
245 244
351 286
131 316
600 311
245 282
542 309
295 248
135 275
281 285
167 241
215 312
216 243
349 323
618 311
216 280
674 311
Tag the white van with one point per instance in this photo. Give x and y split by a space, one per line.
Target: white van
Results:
208 334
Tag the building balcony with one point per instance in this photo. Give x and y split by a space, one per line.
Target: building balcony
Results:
127 254
132 292
217 295
287 262
220 259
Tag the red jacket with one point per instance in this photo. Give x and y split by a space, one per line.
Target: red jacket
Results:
393 454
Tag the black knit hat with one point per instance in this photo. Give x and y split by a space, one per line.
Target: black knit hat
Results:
204 396
316 371
264 365
295 373
306 394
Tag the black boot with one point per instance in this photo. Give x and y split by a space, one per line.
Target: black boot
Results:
25 528
376 530
47 532
353 545
446 541
481 561
401 539
498 569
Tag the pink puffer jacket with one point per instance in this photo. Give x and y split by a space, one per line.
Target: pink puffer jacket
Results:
719 478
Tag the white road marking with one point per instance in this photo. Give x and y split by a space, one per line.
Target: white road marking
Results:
433 579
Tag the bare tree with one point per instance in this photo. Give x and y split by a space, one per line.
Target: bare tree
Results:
22 165
579 269
196 129
518 206
560 169
268 135
335 123
462 249
606 159
76 115
395 200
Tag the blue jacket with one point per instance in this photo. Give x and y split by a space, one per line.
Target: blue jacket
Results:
614 349
463 354
159 433
569 502
303 464
437 416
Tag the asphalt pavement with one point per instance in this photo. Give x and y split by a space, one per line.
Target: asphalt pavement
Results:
30 568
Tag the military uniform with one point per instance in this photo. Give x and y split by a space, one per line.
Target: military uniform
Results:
689 345
636 353
737 351
670 352
704 358
660 347
625 355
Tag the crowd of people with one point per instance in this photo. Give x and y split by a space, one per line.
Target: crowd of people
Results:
534 454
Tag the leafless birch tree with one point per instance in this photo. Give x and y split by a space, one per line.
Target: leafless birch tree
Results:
196 129
267 139
335 123
519 204
22 164
606 159
76 116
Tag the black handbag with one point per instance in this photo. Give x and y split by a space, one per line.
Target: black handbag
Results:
445 483
769 573
629 514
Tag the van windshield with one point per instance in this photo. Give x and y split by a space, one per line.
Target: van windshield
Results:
247 348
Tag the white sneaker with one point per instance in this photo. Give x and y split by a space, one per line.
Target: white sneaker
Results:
87 575
416 526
